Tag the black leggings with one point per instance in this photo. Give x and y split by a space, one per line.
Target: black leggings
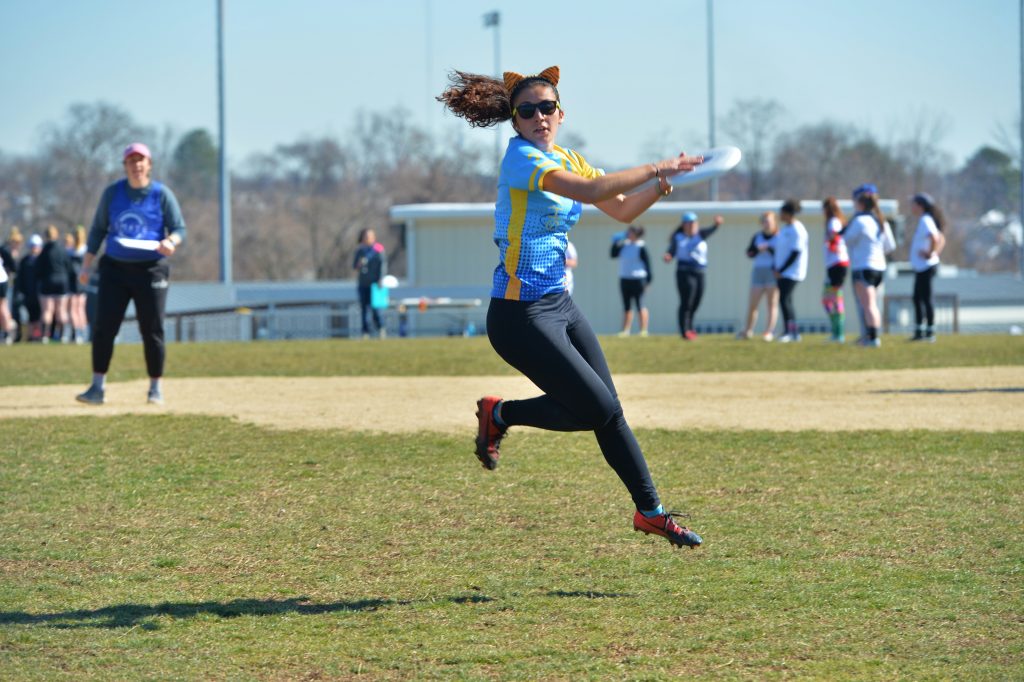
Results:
786 287
143 283
924 311
551 343
690 283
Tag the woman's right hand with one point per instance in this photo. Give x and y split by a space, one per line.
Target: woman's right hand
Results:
83 276
678 164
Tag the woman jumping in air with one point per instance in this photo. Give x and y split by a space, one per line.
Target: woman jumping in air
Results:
532 322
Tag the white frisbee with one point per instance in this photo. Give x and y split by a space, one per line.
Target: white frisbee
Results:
144 244
389 282
717 162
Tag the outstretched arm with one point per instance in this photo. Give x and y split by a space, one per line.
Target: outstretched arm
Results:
607 192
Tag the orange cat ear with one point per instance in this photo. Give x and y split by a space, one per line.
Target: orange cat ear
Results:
512 79
550 74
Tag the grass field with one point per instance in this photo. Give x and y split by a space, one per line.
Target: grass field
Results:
163 547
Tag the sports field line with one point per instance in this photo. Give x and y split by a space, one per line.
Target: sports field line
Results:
970 398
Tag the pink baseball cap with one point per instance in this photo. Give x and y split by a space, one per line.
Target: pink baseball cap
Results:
136 148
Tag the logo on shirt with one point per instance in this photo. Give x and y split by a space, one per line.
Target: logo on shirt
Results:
130 224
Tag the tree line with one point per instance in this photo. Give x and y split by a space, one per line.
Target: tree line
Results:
298 208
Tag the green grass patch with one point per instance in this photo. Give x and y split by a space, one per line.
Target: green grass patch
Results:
159 547
56 364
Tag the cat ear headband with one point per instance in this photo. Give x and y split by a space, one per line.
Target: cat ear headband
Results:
512 79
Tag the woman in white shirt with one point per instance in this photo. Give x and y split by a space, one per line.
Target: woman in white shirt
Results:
837 262
790 265
868 237
925 247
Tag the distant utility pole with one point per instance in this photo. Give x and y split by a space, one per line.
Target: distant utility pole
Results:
494 19
1020 161
225 176
711 90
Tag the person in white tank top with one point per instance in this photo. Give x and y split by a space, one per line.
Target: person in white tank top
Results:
925 246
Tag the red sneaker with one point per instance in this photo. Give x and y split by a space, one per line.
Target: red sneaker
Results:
489 434
664 526
690 335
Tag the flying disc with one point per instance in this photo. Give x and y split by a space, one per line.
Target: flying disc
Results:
717 162
389 281
144 244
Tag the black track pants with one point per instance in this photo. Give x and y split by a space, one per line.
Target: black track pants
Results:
924 310
690 282
144 284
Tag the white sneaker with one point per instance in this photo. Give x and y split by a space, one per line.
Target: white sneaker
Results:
623 334
768 336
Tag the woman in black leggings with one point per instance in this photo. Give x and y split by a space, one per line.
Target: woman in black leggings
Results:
532 322
790 265
925 248
689 248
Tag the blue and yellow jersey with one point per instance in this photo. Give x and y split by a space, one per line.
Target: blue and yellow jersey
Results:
531 226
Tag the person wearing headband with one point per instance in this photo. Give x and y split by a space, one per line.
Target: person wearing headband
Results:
532 322
925 247
140 221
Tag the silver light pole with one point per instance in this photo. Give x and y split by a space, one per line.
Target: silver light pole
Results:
225 177
711 90
494 19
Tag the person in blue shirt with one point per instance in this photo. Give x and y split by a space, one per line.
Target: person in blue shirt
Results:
689 248
532 322
141 223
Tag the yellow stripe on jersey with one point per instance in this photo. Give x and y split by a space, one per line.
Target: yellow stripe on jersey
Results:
544 166
516 221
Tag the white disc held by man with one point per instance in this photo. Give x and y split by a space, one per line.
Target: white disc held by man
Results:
717 162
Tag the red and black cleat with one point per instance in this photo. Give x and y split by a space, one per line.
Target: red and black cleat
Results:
666 527
489 434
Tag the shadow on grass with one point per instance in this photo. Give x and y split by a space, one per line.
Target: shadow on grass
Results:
131 615
588 594
953 391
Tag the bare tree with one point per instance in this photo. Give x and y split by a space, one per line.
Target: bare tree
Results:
919 146
83 155
754 126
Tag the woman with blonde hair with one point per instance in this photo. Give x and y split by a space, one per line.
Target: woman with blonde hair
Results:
762 279
75 244
53 269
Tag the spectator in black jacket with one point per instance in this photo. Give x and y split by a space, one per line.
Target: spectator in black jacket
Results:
53 269
26 284
8 268
369 262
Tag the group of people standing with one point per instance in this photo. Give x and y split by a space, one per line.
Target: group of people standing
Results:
780 254
859 247
43 283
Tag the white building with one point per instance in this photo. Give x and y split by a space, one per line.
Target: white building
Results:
451 251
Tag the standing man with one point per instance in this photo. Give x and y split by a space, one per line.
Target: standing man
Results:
369 262
141 222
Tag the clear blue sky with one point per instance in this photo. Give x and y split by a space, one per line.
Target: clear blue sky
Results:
634 73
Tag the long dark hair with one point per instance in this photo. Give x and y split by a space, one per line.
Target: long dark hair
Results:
483 100
831 209
870 203
931 209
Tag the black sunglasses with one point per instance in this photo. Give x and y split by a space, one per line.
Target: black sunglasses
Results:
527 109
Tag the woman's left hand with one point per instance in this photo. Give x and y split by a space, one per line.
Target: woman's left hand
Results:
166 248
678 164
